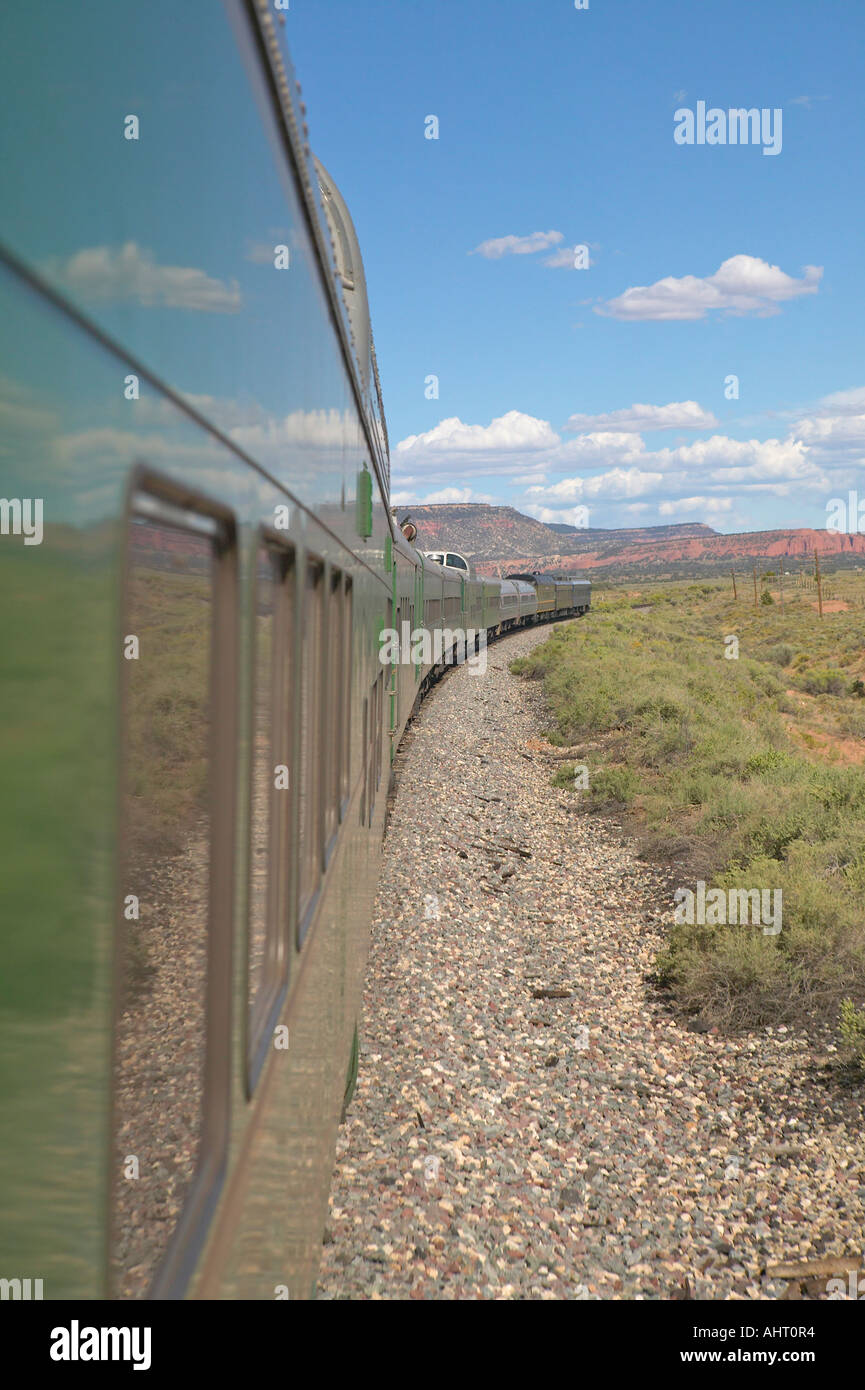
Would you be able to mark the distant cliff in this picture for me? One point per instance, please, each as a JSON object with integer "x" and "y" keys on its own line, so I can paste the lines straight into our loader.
{"x": 498, "y": 539}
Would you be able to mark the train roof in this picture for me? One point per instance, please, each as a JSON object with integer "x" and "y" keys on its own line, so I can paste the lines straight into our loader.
{"x": 349, "y": 283}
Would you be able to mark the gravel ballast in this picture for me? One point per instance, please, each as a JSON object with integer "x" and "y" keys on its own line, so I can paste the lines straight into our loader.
{"x": 530, "y": 1120}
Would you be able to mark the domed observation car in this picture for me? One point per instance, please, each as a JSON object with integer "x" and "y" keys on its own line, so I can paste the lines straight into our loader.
{"x": 450, "y": 560}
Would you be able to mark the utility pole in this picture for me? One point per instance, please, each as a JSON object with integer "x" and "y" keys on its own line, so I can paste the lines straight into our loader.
{"x": 735, "y": 595}
{"x": 782, "y": 585}
{"x": 755, "y": 586}
{"x": 819, "y": 583}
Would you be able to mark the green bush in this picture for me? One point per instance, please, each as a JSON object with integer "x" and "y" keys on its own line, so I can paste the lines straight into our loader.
{"x": 853, "y": 1031}
{"x": 779, "y": 655}
{"x": 822, "y": 681}
{"x": 613, "y": 784}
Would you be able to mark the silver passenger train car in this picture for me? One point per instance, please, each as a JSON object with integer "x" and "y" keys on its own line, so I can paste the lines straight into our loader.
{"x": 198, "y": 726}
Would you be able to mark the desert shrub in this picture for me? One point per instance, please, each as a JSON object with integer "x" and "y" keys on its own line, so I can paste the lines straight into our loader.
{"x": 853, "y": 1031}
{"x": 769, "y": 760}
{"x": 822, "y": 680}
{"x": 613, "y": 784}
{"x": 779, "y": 655}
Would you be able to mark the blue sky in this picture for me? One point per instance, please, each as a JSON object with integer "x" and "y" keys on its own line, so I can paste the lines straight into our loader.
{"x": 604, "y": 388}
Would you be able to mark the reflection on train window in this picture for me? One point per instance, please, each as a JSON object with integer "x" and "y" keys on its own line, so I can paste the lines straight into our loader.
{"x": 161, "y": 1036}
{"x": 310, "y": 789}
{"x": 271, "y": 791}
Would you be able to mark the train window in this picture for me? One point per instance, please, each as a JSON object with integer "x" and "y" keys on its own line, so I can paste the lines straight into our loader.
{"x": 334, "y": 705}
{"x": 372, "y": 776}
{"x": 364, "y": 791}
{"x": 345, "y": 736}
{"x": 310, "y": 845}
{"x": 411, "y": 619}
{"x": 270, "y": 794}
{"x": 374, "y": 731}
{"x": 379, "y": 724}
{"x": 171, "y": 1045}
{"x": 370, "y": 780}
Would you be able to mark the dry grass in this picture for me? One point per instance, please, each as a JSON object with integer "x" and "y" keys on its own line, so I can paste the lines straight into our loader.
{"x": 736, "y": 771}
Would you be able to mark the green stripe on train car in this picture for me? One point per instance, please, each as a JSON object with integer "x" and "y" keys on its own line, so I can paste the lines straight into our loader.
{"x": 363, "y": 514}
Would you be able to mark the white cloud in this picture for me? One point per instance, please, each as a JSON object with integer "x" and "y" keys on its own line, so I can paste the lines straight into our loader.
{"x": 816, "y": 454}
{"x": 622, "y": 482}
{"x": 256, "y": 430}
{"x": 319, "y": 429}
{"x": 564, "y": 259}
{"x": 850, "y": 402}
{"x": 570, "y": 516}
{"x": 21, "y": 412}
{"x": 130, "y": 274}
{"x": 769, "y": 466}
{"x": 444, "y": 494}
{"x": 599, "y": 447}
{"x": 723, "y": 458}
{"x": 637, "y": 418}
{"x": 529, "y": 245}
{"x": 528, "y": 450}
{"x": 618, "y": 483}
{"x": 834, "y": 432}
{"x": 124, "y": 446}
{"x": 741, "y": 285}
{"x": 510, "y": 433}
{"x": 709, "y": 506}
{"x": 264, "y": 252}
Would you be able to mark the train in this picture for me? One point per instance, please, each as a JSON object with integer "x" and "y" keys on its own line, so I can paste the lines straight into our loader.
{"x": 199, "y": 725}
